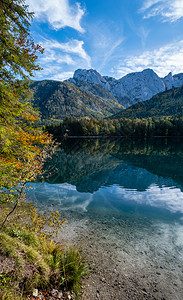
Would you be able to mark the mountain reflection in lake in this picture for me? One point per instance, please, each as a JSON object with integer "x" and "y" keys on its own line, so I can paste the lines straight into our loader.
{"x": 116, "y": 176}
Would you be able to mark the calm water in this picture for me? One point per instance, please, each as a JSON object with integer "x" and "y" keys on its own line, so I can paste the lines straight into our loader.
{"x": 116, "y": 178}
{"x": 137, "y": 186}
{"x": 125, "y": 198}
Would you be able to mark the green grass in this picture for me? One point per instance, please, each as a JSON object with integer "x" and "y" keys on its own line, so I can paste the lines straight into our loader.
{"x": 72, "y": 267}
{"x": 38, "y": 263}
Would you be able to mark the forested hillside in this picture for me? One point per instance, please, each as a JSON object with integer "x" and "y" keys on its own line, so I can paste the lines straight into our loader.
{"x": 168, "y": 103}
{"x": 57, "y": 100}
{"x": 159, "y": 116}
{"x": 95, "y": 89}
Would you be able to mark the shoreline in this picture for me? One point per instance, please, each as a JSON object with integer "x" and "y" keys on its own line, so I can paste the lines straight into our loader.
{"x": 118, "y": 271}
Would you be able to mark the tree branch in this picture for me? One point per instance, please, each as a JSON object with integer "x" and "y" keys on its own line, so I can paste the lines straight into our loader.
{"x": 14, "y": 207}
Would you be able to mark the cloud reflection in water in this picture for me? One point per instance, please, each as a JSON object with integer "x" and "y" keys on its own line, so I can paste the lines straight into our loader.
{"x": 65, "y": 196}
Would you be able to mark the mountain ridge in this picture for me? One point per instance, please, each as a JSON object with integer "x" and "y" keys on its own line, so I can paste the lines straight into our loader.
{"x": 89, "y": 94}
{"x": 167, "y": 103}
{"x": 131, "y": 88}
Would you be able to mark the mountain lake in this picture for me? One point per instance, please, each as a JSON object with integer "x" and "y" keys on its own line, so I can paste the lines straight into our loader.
{"x": 122, "y": 200}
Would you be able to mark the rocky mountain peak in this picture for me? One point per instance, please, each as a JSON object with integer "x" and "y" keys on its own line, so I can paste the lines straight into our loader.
{"x": 132, "y": 88}
{"x": 90, "y": 76}
{"x": 168, "y": 80}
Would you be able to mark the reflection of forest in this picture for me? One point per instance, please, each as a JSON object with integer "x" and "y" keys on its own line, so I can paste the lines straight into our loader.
{"x": 92, "y": 163}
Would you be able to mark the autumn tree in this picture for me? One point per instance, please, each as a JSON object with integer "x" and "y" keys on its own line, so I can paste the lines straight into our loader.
{"x": 23, "y": 146}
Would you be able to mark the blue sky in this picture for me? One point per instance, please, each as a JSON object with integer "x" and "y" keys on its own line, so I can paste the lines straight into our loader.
{"x": 115, "y": 37}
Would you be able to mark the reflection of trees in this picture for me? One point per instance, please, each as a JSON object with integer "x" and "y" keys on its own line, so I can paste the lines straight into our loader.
{"x": 71, "y": 168}
{"x": 96, "y": 162}
{"x": 159, "y": 146}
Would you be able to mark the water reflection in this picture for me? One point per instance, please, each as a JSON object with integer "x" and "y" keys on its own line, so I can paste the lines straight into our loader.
{"x": 130, "y": 193}
{"x": 96, "y": 163}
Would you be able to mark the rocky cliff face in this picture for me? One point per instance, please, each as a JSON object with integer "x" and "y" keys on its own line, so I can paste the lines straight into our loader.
{"x": 136, "y": 87}
{"x": 132, "y": 88}
{"x": 91, "y": 76}
{"x": 177, "y": 80}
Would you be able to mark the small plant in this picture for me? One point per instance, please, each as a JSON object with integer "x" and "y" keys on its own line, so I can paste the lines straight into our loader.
{"x": 5, "y": 280}
{"x": 72, "y": 267}
{"x": 48, "y": 225}
{"x": 6, "y": 285}
{"x": 15, "y": 233}
{"x": 55, "y": 255}
{"x": 28, "y": 242}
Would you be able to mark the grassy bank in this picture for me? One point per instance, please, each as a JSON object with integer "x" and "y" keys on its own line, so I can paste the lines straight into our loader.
{"x": 30, "y": 259}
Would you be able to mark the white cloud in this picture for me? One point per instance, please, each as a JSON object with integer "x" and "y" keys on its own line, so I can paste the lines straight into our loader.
{"x": 63, "y": 196}
{"x": 162, "y": 61}
{"x": 66, "y": 196}
{"x": 50, "y": 57}
{"x": 62, "y": 76}
{"x": 61, "y": 59}
{"x": 73, "y": 46}
{"x": 58, "y": 13}
{"x": 143, "y": 33}
{"x": 139, "y": 30}
{"x": 169, "y": 10}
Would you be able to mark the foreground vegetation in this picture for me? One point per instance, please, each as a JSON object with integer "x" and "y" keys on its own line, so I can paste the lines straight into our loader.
{"x": 30, "y": 259}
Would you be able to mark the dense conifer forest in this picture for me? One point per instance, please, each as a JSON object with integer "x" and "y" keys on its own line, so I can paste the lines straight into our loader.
{"x": 164, "y": 126}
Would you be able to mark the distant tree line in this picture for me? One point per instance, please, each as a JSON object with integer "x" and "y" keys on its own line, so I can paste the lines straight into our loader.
{"x": 149, "y": 127}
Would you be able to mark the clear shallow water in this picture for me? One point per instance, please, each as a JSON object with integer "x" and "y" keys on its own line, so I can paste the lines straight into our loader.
{"x": 123, "y": 201}
{"x": 123, "y": 193}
